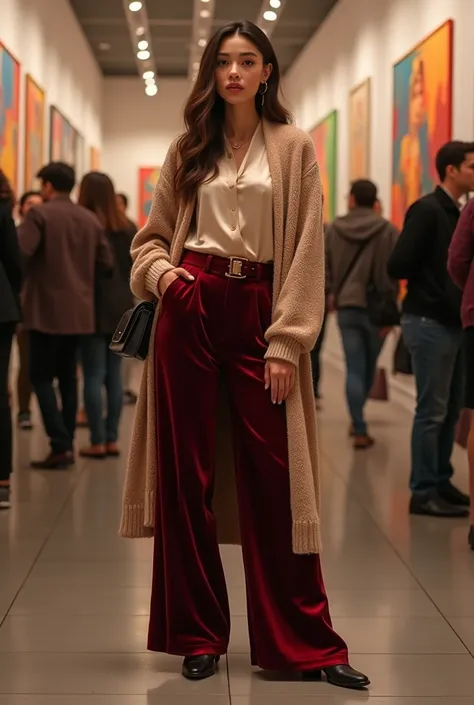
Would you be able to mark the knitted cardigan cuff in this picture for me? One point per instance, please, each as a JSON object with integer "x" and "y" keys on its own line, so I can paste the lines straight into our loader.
{"x": 282, "y": 347}
{"x": 154, "y": 274}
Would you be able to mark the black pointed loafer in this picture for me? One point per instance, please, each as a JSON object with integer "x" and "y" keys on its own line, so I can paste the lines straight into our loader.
{"x": 196, "y": 668}
{"x": 343, "y": 676}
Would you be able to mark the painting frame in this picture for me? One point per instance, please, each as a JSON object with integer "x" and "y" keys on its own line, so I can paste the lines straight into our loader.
{"x": 424, "y": 74}
{"x": 62, "y": 137}
{"x": 327, "y": 160}
{"x": 11, "y": 169}
{"x": 33, "y": 90}
{"x": 148, "y": 177}
{"x": 360, "y": 97}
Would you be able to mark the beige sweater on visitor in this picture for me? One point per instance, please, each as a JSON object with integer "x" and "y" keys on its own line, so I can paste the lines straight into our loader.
{"x": 298, "y": 305}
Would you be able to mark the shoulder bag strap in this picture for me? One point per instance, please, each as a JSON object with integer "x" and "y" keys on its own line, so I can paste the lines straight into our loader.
{"x": 351, "y": 266}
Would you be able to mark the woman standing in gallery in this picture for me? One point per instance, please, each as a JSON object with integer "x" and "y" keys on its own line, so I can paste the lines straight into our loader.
{"x": 233, "y": 251}
{"x": 10, "y": 285}
{"x": 102, "y": 369}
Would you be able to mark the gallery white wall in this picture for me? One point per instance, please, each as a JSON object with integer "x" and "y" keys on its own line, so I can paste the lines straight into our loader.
{"x": 138, "y": 129}
{"x": 365, "y": 38}
{"x": 45, "y": 37}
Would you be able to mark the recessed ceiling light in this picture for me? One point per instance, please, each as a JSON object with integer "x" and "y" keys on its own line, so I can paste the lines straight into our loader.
{"x": 143, "y": 45}
{"x": 143, "y": 55}
{"x": 150, "y": 82}
{"x": 205, "y": 14}
{"x": 270, "y": 16}
{"x": 196, "y": 66}
{"x": 202, "y": 42}
{"x": 140, "y": 31}
{"x": 135, "y": 6}
{"x": 204, "y": 0}
{"x": 104, "y": 46}
{"x": 275, "y": 3}
{"x": 151, "y": 90}
{"x": 148, "y": 74}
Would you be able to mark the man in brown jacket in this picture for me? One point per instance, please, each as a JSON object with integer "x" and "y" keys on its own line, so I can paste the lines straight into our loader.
{"x": 65, "y": 249}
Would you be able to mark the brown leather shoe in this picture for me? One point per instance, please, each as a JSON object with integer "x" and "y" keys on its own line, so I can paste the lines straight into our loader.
{"x": 363, "y": 442}
{"x": 54, "y": 461}
{"x": 112, "y": 450}
{"x": 96, "y": 452}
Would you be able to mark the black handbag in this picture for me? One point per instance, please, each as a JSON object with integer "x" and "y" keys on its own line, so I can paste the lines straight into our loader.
{"x": 132, "y": 336}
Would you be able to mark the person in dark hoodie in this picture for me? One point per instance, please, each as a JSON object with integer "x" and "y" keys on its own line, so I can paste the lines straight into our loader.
{"x": 358, "y": 246}
{"x": 431, "y": 325}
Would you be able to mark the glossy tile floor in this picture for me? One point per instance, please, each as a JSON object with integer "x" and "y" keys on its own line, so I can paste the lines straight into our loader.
{"x": 74, "y": 597}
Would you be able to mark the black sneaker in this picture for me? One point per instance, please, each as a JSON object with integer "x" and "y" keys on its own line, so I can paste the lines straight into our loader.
{"x": 24, "y": 422}
{"x": 451, "y": 494}
{"x": 5, "y": 498}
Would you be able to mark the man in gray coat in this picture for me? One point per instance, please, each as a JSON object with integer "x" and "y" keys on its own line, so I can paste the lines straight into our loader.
{"x": 358, "y": 246}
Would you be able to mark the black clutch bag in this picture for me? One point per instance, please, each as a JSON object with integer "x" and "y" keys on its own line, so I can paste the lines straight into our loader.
{"x": 132, "y": 337}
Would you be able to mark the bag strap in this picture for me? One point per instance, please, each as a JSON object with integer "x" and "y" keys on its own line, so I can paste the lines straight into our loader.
{"x": 351, "y": 266}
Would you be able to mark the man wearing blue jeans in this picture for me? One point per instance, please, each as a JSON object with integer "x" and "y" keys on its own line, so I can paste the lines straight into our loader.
{"x": 431, "y": 326}
{"x": 358, "y": 246}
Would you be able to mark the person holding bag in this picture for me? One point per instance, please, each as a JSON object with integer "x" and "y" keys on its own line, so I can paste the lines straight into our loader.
{"x": 233, "y": 249}
{"x": 359, "y": 245}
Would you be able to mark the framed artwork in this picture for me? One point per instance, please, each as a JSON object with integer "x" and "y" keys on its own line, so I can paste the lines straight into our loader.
{"x": 80, "y": 159}
{"x": 94, "y": 159}
{"x": 34, "y": 132}
{"x": 422, "y": 117}
{"x": 324, "y": 137}
{"x": 147, "y": 180}
{"x": 359, "y": 131}
{"x": 9, "y": 115}
{"x": 62, "y": 144}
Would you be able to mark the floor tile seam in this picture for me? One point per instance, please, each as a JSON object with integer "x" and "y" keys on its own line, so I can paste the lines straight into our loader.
{"x": 386, "y": 537}
{"x": 50, "y": 532}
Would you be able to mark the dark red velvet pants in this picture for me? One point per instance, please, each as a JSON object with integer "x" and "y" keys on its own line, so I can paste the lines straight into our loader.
{"x": 211, "y": 326}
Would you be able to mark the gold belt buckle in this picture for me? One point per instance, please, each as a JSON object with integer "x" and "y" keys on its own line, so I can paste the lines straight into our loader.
{"x": 235, "y": 268}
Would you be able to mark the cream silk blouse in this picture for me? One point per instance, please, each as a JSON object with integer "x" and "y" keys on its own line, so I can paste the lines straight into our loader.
{"x": 234, "y": 212}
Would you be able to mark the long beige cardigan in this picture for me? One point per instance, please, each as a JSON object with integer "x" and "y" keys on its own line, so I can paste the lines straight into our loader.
{"x": 298, "y": 293}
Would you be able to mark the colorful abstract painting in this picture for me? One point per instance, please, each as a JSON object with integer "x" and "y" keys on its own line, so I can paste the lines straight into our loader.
{"x": 9, "y": 115}
{"x": 94, "y": 159}
{"x": 359, "y": 131}
{"x": 34, "y": 132}
{"x": 422, "y": 117}
{"x": 324, "y": 137}
{"x": 147, "y": 180}
{"x": 62, "y": 145}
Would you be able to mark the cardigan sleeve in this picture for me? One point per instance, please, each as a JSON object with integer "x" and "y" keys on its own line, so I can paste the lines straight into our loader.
{"x": 461, "y": 249}
{"x": 299, "y": 310}
{"x": 150, "y": 248}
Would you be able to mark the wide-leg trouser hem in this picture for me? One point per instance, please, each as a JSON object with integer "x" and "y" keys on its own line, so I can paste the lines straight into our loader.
{"x": 302, "y": 667}
{"x": 211, "y": 650}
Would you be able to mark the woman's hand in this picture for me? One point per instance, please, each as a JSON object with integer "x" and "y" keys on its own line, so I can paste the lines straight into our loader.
{"x": 279, "y": 378}
{"x": 169, "y": 277}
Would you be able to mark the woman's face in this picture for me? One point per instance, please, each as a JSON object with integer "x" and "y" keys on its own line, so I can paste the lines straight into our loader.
{"x": 240, "y": 70}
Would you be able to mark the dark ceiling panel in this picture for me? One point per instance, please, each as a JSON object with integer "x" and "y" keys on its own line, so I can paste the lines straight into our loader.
{"x": 104, "y": 23}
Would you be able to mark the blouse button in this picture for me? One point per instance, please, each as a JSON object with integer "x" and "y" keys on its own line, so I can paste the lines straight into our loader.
{"x": 231, "y": 186}
{"x": 234, "y": 227}
{"x": 233, "y": 210}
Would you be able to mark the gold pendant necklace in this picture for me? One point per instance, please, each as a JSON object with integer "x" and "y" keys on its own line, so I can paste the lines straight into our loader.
{"x": 236, "y": 147}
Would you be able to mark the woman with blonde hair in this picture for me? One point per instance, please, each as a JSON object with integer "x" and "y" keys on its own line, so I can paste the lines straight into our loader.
{"x": 233, "y": 252}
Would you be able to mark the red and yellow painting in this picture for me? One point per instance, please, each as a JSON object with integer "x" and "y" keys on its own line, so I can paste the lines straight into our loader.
{"x": 422, "y": 117}
{"x": 34, "y": 132}
{"x": 9, "y": 115}
{"x": 324, "y": 137}
{"x": 147, "y": 180}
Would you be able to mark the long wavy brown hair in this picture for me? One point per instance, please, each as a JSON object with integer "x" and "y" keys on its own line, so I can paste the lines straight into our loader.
{"x": 97, "y": 194}
{"x": 203, "y": 144}
{"x": 6, "y": 191}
